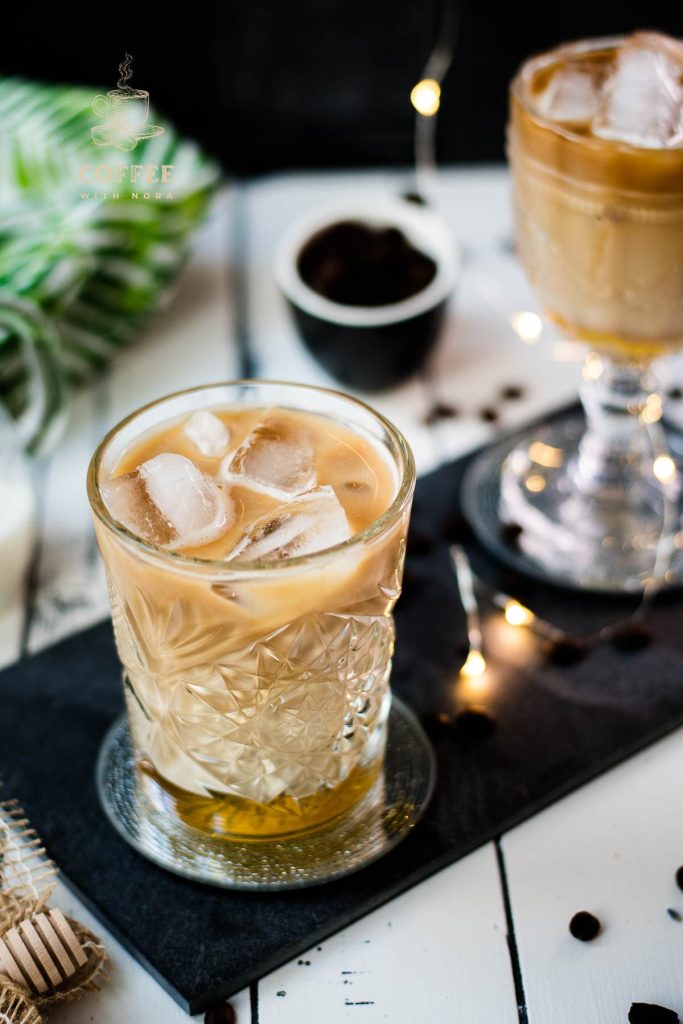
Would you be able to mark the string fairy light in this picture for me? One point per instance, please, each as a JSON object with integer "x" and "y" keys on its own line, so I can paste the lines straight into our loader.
{"x": 475, "y": 663}
{"x": 517, "y": 614}
{"x": 425, "y": 97}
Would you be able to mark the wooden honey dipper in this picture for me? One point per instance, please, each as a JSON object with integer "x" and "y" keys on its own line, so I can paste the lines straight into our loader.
{"x": 41, "y": 952}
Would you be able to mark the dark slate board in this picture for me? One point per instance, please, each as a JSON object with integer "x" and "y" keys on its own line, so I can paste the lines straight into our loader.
{"x": 556, "y": 728}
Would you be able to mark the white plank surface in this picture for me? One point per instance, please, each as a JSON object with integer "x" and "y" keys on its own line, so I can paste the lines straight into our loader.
{"x": 611, "y": 848}
{"x": 438, "y": 953}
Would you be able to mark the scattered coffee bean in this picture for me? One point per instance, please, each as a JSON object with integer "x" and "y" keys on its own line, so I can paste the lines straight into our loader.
{"x": 414, "y": 197}
{"x": 441, "y": 411}
{"x": 512, "y": 392}
{"x": 679, "y": 877}
{"x": 473, "y": 724}
{"x": 222, "y": 1013}
{"x": 584, "y": 926}
{"x": 488, "y": 414}
{"x": 631, "y": 637}
{"x": 281, "y": 992}
{"x": 510, "y": 534}
{"x": 674, "y": 914}
{"x": 675, "y": 394}
{"x": 564, "y": 651}
{"x": 651, "y": 1013}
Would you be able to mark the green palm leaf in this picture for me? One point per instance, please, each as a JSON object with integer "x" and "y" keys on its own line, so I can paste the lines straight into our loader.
{"x": 80, "y": 272}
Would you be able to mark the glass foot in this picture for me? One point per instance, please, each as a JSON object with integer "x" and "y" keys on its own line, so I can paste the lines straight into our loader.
{"x": 384, "y": 817}
{"x": 563, "y": 535}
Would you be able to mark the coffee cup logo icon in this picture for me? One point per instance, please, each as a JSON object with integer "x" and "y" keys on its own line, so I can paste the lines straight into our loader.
{"x": 124, "y": 112}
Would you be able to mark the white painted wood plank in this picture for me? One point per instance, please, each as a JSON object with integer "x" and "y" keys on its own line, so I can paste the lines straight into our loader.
{"x": 70, "y": 590}
{"x": 131, "y": 996}
{"x": 437, "y": 953}
{"x": 272, "y": 205}
{"x": 190, "y": 342}
{"x": 479, "y": 352}
{"x": 611, "y": 848}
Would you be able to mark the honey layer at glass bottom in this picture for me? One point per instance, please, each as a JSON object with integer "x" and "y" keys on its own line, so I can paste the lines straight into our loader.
{"x": 617, "y": 346}
{"x": 234, "y": 817}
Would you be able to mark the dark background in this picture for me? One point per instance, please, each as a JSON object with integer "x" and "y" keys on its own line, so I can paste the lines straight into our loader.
{"x": 274, "y": 84}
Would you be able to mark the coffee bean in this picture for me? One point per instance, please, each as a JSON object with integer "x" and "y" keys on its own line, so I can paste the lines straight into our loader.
{"x": 488, "y": 414}
{"x": 510, "y": 533}
{"x": 679, "y": 877}
{"x": 675, "y": 394}
{"x": 414, "y": 197}
{"x": 512, "y": 392}
{"x": 651, "y": 1013}
{"x": 584, "y": 926}
{"x": 474, "y": 724}
{"x": 221, "y": 1013}
{"x": 441, "y": 411}
{"x": 564, "y": 651}
{"x": 355, "y": 263}
{"x": 631, "y": 637}
{"x": 674, "y": 914}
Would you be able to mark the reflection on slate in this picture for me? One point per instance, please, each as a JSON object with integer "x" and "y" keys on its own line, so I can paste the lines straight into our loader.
{"x": 550, "y": 729}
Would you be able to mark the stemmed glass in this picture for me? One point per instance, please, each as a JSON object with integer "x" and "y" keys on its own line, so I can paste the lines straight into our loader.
{"x": 600, "y": 233}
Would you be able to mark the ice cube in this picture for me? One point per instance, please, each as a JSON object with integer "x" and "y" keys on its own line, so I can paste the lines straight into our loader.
{"x": 643, "y": 98}
{"x": 571, "y": 97}
{"x": 169, "y": 502}
{"x": 208, "y": 434}
{"x": 277, "y": 457}
{"x": 308, "y": 523}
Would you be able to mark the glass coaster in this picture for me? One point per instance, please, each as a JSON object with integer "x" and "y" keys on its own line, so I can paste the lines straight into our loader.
{"x": 379, "y": 821}
{"x": 571, "y": 554}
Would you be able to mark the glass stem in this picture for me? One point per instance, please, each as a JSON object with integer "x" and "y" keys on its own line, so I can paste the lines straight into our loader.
{"x": 623, "y": 429}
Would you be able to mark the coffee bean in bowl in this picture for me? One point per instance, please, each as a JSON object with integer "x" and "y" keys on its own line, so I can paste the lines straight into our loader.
{"x": 358, "y": 264}
{"x": 368, "y": 282}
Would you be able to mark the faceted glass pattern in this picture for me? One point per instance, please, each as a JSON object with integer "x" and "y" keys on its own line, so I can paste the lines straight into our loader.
{"x": 258, "y": 697}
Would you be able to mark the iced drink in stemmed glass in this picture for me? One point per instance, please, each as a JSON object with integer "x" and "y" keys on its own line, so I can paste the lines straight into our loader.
{"x": 595, "y": 143}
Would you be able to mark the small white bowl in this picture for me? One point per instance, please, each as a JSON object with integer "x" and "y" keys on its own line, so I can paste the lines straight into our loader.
{"x": 370, "y": 347}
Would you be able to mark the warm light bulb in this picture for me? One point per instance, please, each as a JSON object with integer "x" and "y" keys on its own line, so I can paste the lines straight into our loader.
{"x": 535, "y": 483}
{"x": 426, "y": 97}
{"x": 546, "y": 455}
{"x": 475, "y": 665}
{"x": 652, "y": 410}
{"x": 527, "y": 325}
{"x": 592, "y": 368}
{"x": 664, "y": 468}
{"x": 517, "y": 615}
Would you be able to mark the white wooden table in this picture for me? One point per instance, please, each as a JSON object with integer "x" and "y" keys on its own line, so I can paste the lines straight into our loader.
{"x": 484, "y": 941}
